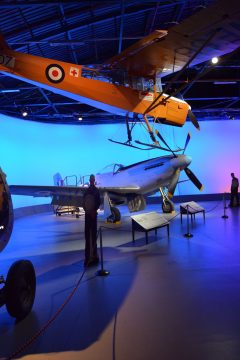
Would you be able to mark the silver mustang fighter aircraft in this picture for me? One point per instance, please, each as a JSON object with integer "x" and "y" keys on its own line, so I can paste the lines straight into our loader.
{"x": 123, "y": 185}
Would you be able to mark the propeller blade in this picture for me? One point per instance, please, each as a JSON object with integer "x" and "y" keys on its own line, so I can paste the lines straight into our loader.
{"x": 193, "y": 178}
{"x": 186, "y": 142}
{"x": 173, "y": 184}
{"x": 193, "y": 119}
{"x": 162, "y": 139}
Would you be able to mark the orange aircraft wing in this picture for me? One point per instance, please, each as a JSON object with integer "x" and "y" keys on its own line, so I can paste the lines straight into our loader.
{"x": 168, "y": 51}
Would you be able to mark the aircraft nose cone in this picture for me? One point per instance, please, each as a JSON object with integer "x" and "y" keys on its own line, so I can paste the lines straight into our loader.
{"x": 187, "y": 160}
{"x": 181, "y": 161}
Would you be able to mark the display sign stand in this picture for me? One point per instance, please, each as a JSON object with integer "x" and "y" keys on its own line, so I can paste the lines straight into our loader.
{"x": 188, "y": 234}
{"x": 102, "y": 271}
{"x": 191, "y": 208}
{"x": 224, "y": 207}
{"x": 148, "y": 222}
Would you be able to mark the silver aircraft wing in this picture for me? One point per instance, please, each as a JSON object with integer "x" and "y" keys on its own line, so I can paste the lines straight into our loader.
{"x": 45, "y": 191}
{"x": 66, "y": 191}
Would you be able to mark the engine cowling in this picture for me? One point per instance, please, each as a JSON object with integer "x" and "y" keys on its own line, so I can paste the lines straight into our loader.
{"x": 6, "y": 212}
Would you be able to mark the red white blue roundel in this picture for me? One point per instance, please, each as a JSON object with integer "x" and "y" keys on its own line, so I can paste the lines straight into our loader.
{"x": 55, "y": 73}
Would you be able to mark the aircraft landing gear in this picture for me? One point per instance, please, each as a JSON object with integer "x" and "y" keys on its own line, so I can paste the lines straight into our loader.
{"x": 167, "y": 204}
{"x": 20, "y": 288}
{"x": 115, "y": 215}
{"x": 18, "y": 294}
{"x": 18, "y": 291}
{"x": 112, "y": 214}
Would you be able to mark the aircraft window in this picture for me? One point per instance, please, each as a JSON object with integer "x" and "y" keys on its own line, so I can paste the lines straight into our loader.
{"x": 114, "y": 168}
{"x": 118, "y": 76}
{"x": 153, "y": 166}
{"x": 107, "y": 168}
{"x": 117, "y": 168}
{"x": 142, "y": 84}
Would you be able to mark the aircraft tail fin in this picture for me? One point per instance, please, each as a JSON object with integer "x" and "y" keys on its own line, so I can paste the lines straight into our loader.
{"x": 3, "y": 44}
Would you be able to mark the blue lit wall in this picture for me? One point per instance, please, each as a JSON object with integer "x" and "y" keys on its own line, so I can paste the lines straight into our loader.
{"x": 31, "y": 153}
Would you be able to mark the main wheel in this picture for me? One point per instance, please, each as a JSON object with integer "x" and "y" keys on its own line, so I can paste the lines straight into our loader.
{"x": 167, "y": 206}
{"x": 20, "y": 289}
{"x": 115, "y": 215}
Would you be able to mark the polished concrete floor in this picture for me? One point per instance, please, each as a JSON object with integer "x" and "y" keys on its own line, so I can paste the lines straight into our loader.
{"x": 176, "y": 298}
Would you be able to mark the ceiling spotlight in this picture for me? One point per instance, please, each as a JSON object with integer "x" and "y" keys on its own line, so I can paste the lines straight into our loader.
{"x": 80, "y": 117}
{"x": 214, "y": 60}
{"x": 24, "y": 112}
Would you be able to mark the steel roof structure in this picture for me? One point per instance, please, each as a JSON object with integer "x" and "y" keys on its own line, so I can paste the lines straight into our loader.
{"x": 90, "y": 32}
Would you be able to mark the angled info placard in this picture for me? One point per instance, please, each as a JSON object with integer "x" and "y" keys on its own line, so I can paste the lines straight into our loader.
{"x": 150, "y": 220}
{"x": 192, "y": 207}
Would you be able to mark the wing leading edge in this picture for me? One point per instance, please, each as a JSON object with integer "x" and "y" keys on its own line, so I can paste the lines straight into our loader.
{"x": 66, "y": 191}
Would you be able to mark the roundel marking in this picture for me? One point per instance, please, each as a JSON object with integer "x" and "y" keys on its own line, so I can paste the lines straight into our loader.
{"x": 55, "y": 73}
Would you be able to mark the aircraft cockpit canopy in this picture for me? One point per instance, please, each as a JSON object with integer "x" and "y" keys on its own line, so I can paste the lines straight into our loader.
{"x": 113, "y": 168}
{"x": 117, "y": 168}
{"x": 121, "y": 77}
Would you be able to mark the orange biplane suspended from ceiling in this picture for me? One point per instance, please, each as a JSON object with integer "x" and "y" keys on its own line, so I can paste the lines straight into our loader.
{"x": 129, "y": 83}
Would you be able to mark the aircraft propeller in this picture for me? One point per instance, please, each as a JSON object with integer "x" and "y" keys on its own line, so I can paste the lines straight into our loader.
{"x": 186, "y": 142}
{"x": 191, "y": 115}
{"x": 188, "y": 172}
{"x": 193, "y": 179}
{"x": 193, "y": 119}
{"x": 165, "y": 143}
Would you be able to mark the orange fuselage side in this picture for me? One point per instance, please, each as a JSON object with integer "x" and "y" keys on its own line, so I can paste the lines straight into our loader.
{"x": 33, "y": 68}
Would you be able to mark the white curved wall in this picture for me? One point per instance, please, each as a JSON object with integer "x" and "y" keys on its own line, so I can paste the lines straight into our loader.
{"x": 31, "y": 153}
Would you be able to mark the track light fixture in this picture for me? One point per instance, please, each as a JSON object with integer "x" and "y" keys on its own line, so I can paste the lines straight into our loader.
{"x": 214, "y": 60}
{"x": 24, "y": 112}
{"x": 78, "y": 116}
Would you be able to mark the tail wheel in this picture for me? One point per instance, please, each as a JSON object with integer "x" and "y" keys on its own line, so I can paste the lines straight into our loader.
{"x": 20, "y": 288}
{"x": 167, "y": 206}
{"x": 115, "y": 215}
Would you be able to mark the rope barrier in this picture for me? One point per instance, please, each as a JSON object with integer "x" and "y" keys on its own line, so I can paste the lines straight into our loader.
{"x": 33, "y": 338}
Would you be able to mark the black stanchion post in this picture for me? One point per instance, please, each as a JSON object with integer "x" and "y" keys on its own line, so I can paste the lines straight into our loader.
{"x": 102, "y": 272}
{"x": 188, "y": 234}
{"x": 224, "y": 207}
{"x": 224, "y": 201}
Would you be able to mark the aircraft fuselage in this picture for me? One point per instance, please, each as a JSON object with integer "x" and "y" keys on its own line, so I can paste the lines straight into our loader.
{"x": 67, "y": 79}
{"x": 145, "y": 177}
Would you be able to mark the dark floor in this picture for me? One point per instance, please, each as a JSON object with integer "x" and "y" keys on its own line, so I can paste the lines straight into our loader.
{"x": 171, "y": 299}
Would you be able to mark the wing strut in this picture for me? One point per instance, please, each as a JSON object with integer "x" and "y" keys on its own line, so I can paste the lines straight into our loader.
{"x": 129, "y": 135}
{"x": 152, "y": 136}
{"x": 129, "y": 131}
